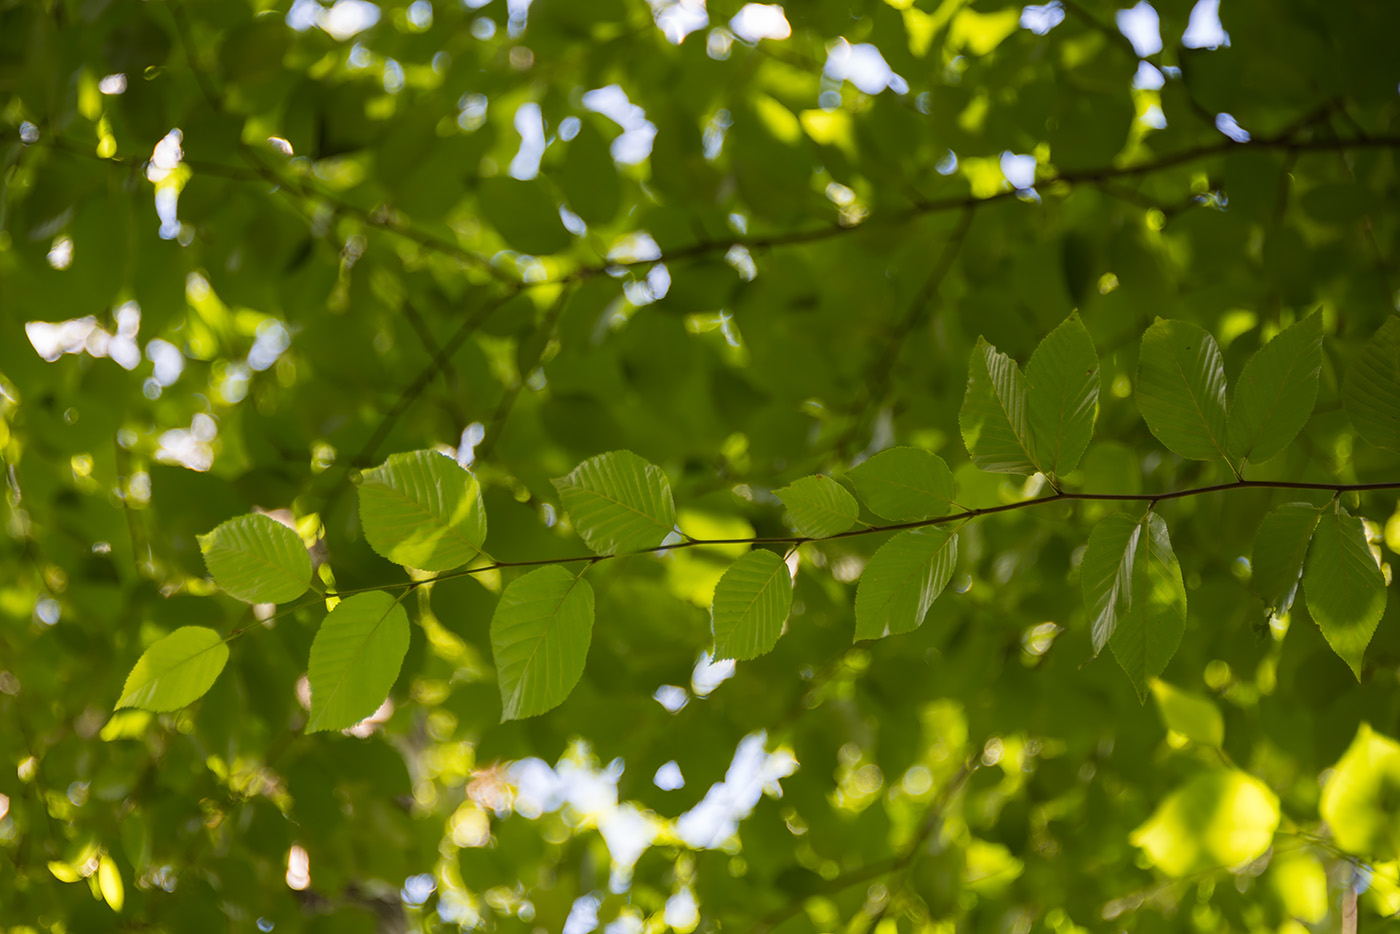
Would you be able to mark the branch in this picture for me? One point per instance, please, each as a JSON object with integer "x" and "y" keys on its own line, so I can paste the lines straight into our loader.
{"x": 964, "y": 515}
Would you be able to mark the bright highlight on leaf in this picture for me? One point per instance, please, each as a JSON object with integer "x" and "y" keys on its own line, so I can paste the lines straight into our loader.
{"x": 1275, "y": 394}
{"x": 257, "y": 559}
{"x": 539, "y": 635}
{"x": 176, "y": 670}
{"x": 1216, "y": 820}
{"x": 1358, "y": 801}
{"x": 818, "y": 506}
{"x": 1181, "y": 389}
{"x": 420, "y": 509}
{"x": 355, "y": 659}
{"x": 1189, "y": 714}
{"x": 1343, "y": 585}
{"x": 618, "y": 503}
{"x": 902, "y": 580}
{"x": 905, "y": 484}
{"x": 751, "y": 603}
{"x": 1371, "y": 388}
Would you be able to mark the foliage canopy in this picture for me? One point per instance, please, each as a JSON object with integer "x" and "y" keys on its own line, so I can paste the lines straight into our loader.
{"x": 863, "y": 465}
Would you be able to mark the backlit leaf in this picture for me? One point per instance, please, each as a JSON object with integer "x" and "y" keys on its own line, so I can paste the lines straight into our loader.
{"x": 1343, "y": 585}
{"x": 1192, "y": 715}
{"x": 1358, "y": 801}
{"x": 176, "y": 670}
{"x": 905, "y": 484}
{"x": 421, "y": 510}
{"x": 1275, "y": 394}
{"x": 1280, "y": 546}
{"x": 819, "y": 506}
{"x": 355, "y": 659}
{"x": 257, "y": 559}
{"x": 1062, "y": 380}
{"x": 1216, "y": 820}
{"x": 995, "y": 420}
{"x": 1371, "y": 388}
{"x": 751, "y": 603}
{"x": 1181, "y": 389}
{"x": 902, "y": 580}
{"x": 618, "y": 503}
{"x": 539, "y": 635}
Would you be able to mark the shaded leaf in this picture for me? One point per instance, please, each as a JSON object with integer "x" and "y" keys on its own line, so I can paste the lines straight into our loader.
{"x": 1280, "y": 546}
{"x": 819, "y": 506}
{"x": 1181, "y": 389}
{"x": 420, "y": 509}
{"x": 618, "y": 503}
{"x": 1343, "y": 585}
{"x": 902, "y": 580}
{"x": 751, "y": 603}
{"x": 1371, "y": 388}
{"x": 905, "y": 484}
{"x": 1275, "y": 394}
{"x": 176, "y": 670}
{"x": 994, "y": 419}
{"x": 524, "y": 215}
{"x": 1106, "y": 575}
{"x": 1148, "y": 634}
{"x": 355, "y": 659}
{"x": 539, "y": 636}
{"x": 589, "y": 178}
{"x": 1062, "y": 381}
{"x": 257, "y": 559}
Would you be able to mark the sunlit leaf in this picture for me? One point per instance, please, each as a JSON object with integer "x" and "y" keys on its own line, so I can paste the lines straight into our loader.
{"x": 1062, "y": 380}
{"x": 1275, "y": 394}
{"x": 421, "y": 510}
{"x": 751, "y": 603}
{"x": 1371, "y": 387}
{"x": 902, "y": 580}
{"x": 355, "y": 659}
{"x": 176, "y": 670}
{"x": 1343, "y": 585}
{"x": 819, "y": 506}
{"x": 618, "y": 503}
{"x": 1218, "y": 819}
{"x": 539, "y": 636}
{"x": 257, "y": 559}
{"x": 1280, "y": 546}
{"x": 905, "y": 484}
{"x": 1358, "y": 801}
{"x": 995, "y": 420}
{"x": 1181, "y": 389}
{"x": 1192, "y": 715}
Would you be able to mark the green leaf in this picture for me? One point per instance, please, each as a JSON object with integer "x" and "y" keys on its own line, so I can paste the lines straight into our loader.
{"x": 524, "y": 215}
{"x": 1358, "y": 801}
{"x": 1275, "y": 394}
{"x": 902, "y": 580}
{"x": 1343, "y": 585}
{"x": 1217, "y": 820}
{"x": 1181, "y": 389}
{"x": 1148, "y": 634}
{"x": 175, "y": 671}
{"x": 1106, "y": 575}
{"x": 1371, "y": 388}
{"x": 421, "y": 510}
{"x": 1185, "y": 712}
{"x": 257, "y": 559}
{"x": 539, "y": 636}
{"x": 618, "y": 503}
{"x": 1062, "y": 381}
{"x": 1280, "y": 546}
{"x": 994, "y": 419}
{"x": 819, "y": 506}
{"x": 355, "y": 659}
{"x": 905, "y": 484}
{"x": 751, "y": 603}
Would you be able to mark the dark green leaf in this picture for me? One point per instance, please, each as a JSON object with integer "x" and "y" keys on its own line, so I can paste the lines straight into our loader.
{"x": 539, "y": 636}
{"x": 1062, "y": 380}
{"x": 1275, "y": 394}
{"x": 1280, "y": 546}
{"x": 751, "y": 603}
{"x": 995, "y": 419}
{"x": 1181, "y": 389}
{"x": 1371, "y": 388}
{"x": 1343, "y": 585}
{"x": 902, "y": 580}
{"x": 819, "y": 506}
{"x": 905, "y": 484}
